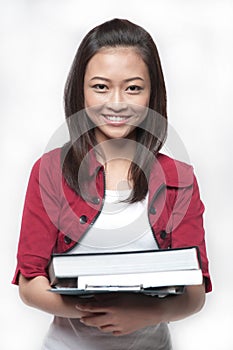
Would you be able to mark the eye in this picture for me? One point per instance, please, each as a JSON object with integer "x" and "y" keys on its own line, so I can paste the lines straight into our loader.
{"x": 134, "y": 88}
{"x": 100, "y": 87}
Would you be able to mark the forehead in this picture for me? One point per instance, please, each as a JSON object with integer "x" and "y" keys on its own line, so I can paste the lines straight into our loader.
{"x": 111, "y": 60}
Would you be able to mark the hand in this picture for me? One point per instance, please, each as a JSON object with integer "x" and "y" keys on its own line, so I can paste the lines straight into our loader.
{"x": 70, "y": 302}
{"x": 120, "y": 313}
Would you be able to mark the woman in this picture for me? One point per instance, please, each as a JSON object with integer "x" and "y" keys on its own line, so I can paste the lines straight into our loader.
{"x": 91, "y": 195}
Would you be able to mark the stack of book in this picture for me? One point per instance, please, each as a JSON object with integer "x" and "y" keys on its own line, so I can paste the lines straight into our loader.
{"x": 154, "y": 272}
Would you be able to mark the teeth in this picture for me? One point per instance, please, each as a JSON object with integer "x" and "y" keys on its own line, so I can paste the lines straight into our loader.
{"x": 115, "y": 118}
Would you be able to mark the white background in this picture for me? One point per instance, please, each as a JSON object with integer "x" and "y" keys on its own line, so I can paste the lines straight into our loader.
{"x": 37, "y": 44}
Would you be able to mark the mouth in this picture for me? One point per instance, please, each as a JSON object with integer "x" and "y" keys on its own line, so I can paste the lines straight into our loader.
{"x": 116, "y": 118}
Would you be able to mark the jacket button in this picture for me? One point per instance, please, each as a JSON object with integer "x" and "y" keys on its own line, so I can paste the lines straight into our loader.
{"x": 67, "y": 240}
{"x": 152, "y": 210}
{"x": 163, "y": 234}
{"x": 95, "y": 200}
{"x": 83, "y": 219}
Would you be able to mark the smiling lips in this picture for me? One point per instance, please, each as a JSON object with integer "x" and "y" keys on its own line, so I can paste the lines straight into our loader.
{"x": 116, "y": 119}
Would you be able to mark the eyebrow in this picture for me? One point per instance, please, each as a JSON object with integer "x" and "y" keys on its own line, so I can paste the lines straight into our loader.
{"x": 126, "y": 80}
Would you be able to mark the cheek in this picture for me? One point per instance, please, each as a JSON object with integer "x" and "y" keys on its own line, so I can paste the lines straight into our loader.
{"x": 140, "y": 109}
{"x": 143, "y": 100}
{"x": 92, "y": 99}
{"x": 93, "y": 111}
{"x": 88, "y": 100}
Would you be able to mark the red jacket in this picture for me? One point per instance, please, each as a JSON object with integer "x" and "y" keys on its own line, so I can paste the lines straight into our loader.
{"x": 55, "y": 217}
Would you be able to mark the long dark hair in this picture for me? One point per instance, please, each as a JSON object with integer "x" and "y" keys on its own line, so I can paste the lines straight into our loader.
{"x": 150, "y": 134}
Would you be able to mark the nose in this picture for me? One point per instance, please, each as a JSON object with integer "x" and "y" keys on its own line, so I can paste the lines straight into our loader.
{"x": 116, "y": 101}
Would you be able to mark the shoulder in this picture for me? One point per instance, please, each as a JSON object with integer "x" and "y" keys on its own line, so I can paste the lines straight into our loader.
{"x": 52, "y": 157}
{"x": 47, "y": 167}
{"x": 175, "y": 172}
{"x": 49, "y": 159}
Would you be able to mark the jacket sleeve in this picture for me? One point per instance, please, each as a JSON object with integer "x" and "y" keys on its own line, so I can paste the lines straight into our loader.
{"x": 187, "y": 222}
{"x": 39, "y": 224}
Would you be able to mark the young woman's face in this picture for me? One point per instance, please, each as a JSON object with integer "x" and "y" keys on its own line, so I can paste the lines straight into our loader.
{"x": 116, "y": 92}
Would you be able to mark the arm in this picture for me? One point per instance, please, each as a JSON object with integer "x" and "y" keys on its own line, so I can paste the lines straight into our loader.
{"x": 123, "y": 314}
{"x": 187, "y": 226}
{"x": 182, "y": 306}
{"x": 34, "y": 292}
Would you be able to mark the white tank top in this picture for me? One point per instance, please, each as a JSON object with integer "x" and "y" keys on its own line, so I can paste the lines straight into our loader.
{"x": 119, "y": 227}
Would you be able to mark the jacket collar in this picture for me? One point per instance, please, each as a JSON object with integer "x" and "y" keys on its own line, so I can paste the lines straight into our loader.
{"x": 165, "y": 171}
{"x": 171, "y": 172}
{"x": 94, "y": 165}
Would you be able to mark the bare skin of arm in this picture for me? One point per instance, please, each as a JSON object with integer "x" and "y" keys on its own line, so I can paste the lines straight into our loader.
{"x": 34, "y": 292}
{"x": 116, "y": 313}
{"x": 125, "y": 313}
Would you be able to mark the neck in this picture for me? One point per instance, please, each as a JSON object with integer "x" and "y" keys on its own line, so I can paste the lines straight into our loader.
{"x": 116, "y": 149}
{"x": 116, "y": 155}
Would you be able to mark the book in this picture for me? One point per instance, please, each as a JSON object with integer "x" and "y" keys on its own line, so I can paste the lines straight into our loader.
{"x": 159, "y": 291}
{"x": 141, "y": 280}
{"x": 151, "y": 271}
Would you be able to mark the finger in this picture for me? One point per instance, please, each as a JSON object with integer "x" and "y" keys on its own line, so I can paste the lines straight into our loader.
{"x": 109, "y": 329}
{"x": 96, "y": 308}
{"x": 99, "y": 321}
{"x": 118, "y": 333}
{"x": 84, "y": 314}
